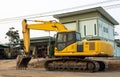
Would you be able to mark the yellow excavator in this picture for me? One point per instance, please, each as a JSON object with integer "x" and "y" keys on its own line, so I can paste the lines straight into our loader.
{"x": 70, "y": 51}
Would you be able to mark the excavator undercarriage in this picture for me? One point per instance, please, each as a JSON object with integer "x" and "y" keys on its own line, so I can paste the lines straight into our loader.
{"x": 75, "y": 64}
{"x": 66, "y": 64}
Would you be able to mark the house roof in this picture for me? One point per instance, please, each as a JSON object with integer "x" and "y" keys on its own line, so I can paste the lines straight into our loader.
{"x": 99, "y": 9}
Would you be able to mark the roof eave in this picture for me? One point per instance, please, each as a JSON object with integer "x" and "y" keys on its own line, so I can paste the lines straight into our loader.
{"x": 99, "y": 9}
{"x": 108, "y": 16}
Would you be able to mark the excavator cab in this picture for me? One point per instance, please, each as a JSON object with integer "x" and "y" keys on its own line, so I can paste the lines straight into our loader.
{"x": 65, "y": 39}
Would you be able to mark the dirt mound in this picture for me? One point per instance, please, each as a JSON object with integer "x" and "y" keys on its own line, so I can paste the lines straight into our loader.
{"x": 37, "y": 63}
{"x": 113, "y": 65}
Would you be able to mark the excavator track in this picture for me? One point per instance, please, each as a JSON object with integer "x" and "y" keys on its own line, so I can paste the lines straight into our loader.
{"x": 75, "y": 65}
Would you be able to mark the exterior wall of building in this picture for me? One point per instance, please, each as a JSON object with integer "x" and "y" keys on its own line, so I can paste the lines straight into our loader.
{"x": 88, "y": 27}
{"x": 91, "y": 24}
{"x": 71, "y": 25}
{"x": 86, "y": 23}
{"x": 76, "y": 18}
{"x": 106, "y": 29}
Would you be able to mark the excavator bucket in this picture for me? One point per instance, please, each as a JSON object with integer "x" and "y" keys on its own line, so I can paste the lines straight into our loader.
{"x": 22, "y": 62}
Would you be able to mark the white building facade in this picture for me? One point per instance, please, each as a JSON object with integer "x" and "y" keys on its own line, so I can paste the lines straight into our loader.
{"x": 94, "y": 22}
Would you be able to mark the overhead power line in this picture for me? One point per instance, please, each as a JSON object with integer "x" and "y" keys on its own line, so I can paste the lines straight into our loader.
{"x": 51, "y": 13}
{"x": 112, "y": 6}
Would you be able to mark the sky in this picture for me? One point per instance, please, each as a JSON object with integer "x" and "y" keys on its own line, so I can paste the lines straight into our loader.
{"x": 9, "y": 9}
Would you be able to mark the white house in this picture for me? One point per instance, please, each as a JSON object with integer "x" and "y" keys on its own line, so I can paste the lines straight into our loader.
{"x": 95, "y": 22}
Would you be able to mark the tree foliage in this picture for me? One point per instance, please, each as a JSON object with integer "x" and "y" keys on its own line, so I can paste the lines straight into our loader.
{"x": 14, "y": 38}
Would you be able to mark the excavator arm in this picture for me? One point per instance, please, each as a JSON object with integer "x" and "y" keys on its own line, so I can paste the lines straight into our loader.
{"x": 38, "y": 25}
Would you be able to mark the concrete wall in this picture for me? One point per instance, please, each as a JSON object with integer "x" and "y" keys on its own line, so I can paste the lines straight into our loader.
{"x": 88, "y": 27}
{"x": 106, "y": 29}
{"x": 90, "y": 24}
{"x": 71, "y": 25}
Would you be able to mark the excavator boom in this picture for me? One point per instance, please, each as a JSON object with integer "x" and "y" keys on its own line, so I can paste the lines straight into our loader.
{"x": 41, "y": 25}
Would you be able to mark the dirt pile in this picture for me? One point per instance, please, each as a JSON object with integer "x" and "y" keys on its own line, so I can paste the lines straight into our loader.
{"x": 37, "y": 63}
{"x": 113, "y": 65}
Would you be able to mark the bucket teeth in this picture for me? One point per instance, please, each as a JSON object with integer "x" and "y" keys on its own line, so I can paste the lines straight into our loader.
{"x": 22, "y": 62}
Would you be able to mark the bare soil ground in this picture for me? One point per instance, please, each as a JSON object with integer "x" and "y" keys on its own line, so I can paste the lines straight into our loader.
{"x": 36, "y": 69}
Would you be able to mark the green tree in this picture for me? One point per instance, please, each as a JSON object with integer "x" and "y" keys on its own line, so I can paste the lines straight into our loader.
{"x": 14, "y": 42}
{"x": 14, "y": 38}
